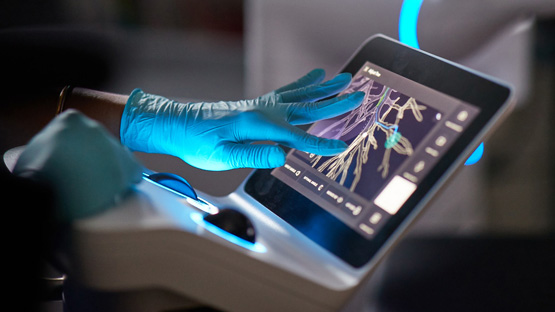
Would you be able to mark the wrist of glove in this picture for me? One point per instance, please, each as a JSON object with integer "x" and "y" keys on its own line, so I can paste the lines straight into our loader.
{"x": 220, "y": 135}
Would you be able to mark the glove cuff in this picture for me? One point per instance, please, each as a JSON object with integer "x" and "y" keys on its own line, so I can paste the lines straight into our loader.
{"x": 137, "y": 123}
{"x": 148, "y": 121}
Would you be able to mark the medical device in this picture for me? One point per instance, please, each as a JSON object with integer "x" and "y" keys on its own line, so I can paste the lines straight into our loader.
{"x": 306, "y": 236}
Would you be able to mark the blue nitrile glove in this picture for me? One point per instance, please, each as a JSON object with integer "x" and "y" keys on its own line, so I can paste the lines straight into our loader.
{"x": 86, "y": 167}
{"x": 218, "y": 136}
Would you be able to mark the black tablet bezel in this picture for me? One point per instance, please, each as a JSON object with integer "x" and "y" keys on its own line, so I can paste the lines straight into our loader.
{"x": 325, "y": 229}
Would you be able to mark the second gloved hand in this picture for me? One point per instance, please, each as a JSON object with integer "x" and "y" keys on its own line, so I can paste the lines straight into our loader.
{"x": 219, "y": 135}
{"x": 86, "y": 167}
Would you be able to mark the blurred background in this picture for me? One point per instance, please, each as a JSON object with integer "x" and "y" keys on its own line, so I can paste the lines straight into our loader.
{"x": 234, "y": 49}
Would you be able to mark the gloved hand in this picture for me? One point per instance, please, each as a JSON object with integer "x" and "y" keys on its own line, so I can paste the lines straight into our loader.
{"x": 218, "y": 136}
{"x": 86, "y": 167}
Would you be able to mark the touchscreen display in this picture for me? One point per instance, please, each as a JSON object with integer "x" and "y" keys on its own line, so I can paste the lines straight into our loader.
{"x": 395, "y": 137}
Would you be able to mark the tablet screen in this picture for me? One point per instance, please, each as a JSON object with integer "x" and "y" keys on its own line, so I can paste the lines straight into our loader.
{"x": 420, "y": 116}
{"x": 395, "y": 137}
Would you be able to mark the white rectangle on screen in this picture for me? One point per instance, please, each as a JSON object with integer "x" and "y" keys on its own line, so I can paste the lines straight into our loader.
{"x": 395, "y": 194}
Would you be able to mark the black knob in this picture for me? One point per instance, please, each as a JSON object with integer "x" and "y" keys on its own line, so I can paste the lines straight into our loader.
{"x": 233, "y": 222}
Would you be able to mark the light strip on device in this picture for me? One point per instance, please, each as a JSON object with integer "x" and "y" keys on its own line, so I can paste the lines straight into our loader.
{"x": 408, "y": 24}
{"x": 476, "y": 155}
{"x": 408, "y": 21}
{"x": 199, "y": 203}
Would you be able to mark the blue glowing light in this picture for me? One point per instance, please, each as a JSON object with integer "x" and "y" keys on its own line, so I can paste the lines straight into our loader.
{"x": 198, "y": 203}
{"x": 476, "y": 156}
{"x": 408, "y": 21}
{"x": 146, "y": 178}
{"x": 256, "y": 247}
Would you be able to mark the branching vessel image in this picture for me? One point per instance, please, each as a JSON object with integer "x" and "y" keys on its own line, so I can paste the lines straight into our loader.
{"x": 382, "y": 110}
